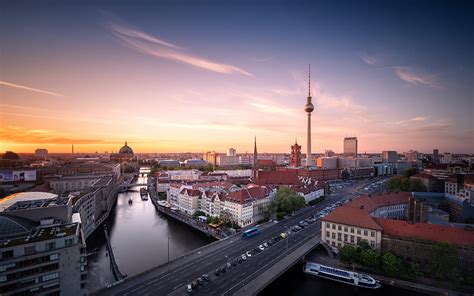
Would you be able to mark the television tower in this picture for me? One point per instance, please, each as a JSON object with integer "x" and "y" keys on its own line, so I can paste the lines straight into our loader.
{"x": 308, "y": 108}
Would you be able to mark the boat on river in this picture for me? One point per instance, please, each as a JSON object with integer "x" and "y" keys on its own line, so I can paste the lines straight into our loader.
{"x": 143, "y": 193}
{"x": 341, "y": 275}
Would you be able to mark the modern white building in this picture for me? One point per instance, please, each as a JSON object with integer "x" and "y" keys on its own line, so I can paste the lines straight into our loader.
{"x": 231, "y": 152}
{"x": 43, "y": 255}
{"x": 226, "y": 160}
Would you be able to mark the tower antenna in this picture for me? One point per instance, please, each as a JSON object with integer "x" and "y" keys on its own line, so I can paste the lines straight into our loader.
{"x": 309, "y": 80}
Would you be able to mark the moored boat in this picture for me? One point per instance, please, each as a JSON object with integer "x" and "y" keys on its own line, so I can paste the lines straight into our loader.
{"x": 341, "y": 275}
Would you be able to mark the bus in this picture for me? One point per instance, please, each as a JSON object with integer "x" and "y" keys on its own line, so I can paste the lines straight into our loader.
{"x": 250, "y": 232}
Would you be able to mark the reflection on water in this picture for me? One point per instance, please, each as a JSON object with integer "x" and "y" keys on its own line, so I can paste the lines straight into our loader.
{"x": 139, "y": 238}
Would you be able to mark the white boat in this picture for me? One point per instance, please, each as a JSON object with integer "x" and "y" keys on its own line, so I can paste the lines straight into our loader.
{"x": 341, "y": 275}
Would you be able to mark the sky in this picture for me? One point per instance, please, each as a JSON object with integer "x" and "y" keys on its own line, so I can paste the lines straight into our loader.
{"x": 193, "y": 76}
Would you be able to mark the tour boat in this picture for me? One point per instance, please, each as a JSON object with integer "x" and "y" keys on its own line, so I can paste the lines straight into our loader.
{"x": 143, "y": 193}
{"x": 341, "y": 275}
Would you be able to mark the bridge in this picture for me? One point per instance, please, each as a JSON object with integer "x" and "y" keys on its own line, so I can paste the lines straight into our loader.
{"x": 246, "y": 278}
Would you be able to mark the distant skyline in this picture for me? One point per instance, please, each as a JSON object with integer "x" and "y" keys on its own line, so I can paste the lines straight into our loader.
{"x": 173, "y": 77}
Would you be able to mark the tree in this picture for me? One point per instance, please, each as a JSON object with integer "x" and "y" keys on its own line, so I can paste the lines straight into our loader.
{"x": 348, "y": 254}
{"x": 414, "y": 270}
{"x": 287, "y": 200}
{"x": 369, "y": 258}
{"x": 406, "y": 184}
{"x": 391, "y": 264}
{"x": 444, "y": 262}
{"x": 199, "y": 213}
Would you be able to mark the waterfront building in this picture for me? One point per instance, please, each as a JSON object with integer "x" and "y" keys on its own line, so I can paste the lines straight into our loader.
{"x": 188, "y": 200}
{"x": 350, "y": 146}
{"x": 42, "y": 249}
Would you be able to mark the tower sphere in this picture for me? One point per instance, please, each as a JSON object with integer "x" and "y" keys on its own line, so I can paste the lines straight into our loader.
{"x": 309, "y": 107}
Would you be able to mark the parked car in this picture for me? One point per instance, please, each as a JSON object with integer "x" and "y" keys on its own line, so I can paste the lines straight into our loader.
{"x": 206, "y": 277}
{"x": 217, "y": 272}
{"x": 261, "y": 248}
{"x": 249, "y": 254}
{"x": 200, "y": 281}
{"x": 189, "y": 288}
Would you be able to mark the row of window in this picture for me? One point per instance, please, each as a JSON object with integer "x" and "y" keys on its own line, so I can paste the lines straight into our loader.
{"x": 351, "y": 229}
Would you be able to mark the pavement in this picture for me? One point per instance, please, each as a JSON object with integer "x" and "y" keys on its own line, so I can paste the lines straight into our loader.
{"x": 172, "y": 278}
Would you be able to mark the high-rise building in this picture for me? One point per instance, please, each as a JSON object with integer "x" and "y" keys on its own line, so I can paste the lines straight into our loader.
{"x": 435, "y": 156}
{"x": 329, "y": 153}
{"x": 411, "y": 156}
{"x": 350, "y": 146}
{"x": 308, "y": 108}
{"x": 41, "y": 153}
{"x": 231, "y": 152}
{"x": 295, "y": 155}
{"x": 210, "y": 157}
{"x": 447, "y": 157}
{"x": 389, "y": 156}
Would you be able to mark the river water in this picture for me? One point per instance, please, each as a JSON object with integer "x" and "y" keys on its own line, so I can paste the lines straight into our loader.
{"x": 139, "y": 237}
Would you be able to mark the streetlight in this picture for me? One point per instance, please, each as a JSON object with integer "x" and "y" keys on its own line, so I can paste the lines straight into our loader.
{"x": 168, "y": 252}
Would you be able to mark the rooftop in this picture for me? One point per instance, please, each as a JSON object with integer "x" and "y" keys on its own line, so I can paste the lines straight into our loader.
{"x": 41, "y": 234}
{"x": 428, "y": 232}
{"x": 352, "y": 216}
{"x": 371, "y": 203}
{"x": 25, "y": 198}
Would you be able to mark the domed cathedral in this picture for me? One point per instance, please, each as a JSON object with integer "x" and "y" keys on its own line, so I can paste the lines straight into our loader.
{"x": 125, "y": 154}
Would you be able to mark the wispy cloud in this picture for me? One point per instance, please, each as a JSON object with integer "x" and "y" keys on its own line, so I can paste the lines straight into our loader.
{"x": 368, "y": 59}
{"x": 154, "y": 46}
{"x": 23, "y": 135}
{"x": 30, "y": 88}
{"x": 414, "y": 119}
{"x": 408, "y": 75}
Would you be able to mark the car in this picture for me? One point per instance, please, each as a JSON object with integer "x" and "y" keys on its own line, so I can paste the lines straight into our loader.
{"x": 240, "y": 260}
{"x": 200, "y": 281}
{"x": 243, "y": 257}
{"x": 217, "y": 272}
{"x": 283, "y": 235}
{"x": 265, "y": 245}
{"x": 194, "y": 284}
{"x": 206, "y": 277}
{"x": 256, "y": 250}
{"x": 261, "y": 248}
{"x": 189, "y": 288}
{"x": 249, "y": 254}
{"x": 228, "y": 265}
{"x": 270, "y": 243}
{"x": 234, "y": 262}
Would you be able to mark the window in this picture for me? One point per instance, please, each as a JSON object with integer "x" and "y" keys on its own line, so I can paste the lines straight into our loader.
{"x": 338, "y": 236}
{"x": 7, "y": 254}
{"x": 50, "y": 246}
{"x": 333, "y": 226}
{"x": 327, "y": 234}
{"x": 358, "y": 231}
{"x": 50, "y": 276}
{"x": 372, "y": 233}
{"x": 372, "y": 244}
{"x": 53, "y": 257}
{"x": 352, "y": 239}
{"x": 3, "y": 278}
{"x": 339, "y": 227}
{"x": 30, "y": 250}
{"x": 333, "y": 235}
{"x": 366, "y": 232}
{"x": 6, "y": 266}
{"x": 328, "y": 225}
{"x": 83, "y": 268}
{"x": 352, "y": 229}
{"x": 69, "y": 242}
{"x": 345, "y": 237}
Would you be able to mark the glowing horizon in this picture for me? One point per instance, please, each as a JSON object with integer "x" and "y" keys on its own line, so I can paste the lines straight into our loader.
{"x": 196, "y": 78}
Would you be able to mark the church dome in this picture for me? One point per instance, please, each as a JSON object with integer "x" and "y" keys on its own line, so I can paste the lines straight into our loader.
{"x": 126, "y": 149}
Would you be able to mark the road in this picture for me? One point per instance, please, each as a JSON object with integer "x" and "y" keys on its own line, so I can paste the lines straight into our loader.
{"x": 172, "y": 279}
